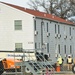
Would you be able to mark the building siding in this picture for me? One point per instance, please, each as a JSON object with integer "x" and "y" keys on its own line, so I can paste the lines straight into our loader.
{"x": 40, "y": 38}
{"x": 10, "y": 36}
{"x": 59, "y": 40}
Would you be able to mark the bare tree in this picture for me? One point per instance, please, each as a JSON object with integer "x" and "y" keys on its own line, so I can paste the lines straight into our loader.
{"x": 47, "y": 5}
{"x": 73, "y": 7}
{"x": 64, "y": 7}
{"x": 61, "y": 8}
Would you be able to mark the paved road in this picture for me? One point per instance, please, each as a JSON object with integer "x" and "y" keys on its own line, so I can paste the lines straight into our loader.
{"x": 55, "y": 73}
{"x": 64, "y": 73}
{"x": 12, "y": 73}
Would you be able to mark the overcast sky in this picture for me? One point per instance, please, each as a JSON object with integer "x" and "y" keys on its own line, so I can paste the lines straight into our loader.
{"x": 17, "y": 2}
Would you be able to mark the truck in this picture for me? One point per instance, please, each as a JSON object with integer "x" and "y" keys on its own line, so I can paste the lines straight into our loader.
{"x": 1, "y": 67}
{"x": 8, "y": 60}
{"x": 8, "y": 64}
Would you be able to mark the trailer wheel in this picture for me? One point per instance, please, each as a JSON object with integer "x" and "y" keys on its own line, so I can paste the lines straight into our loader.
{"x": 19, "y": 70}
{"x": 27, "y": 70}
{"x": 73, "y": 68}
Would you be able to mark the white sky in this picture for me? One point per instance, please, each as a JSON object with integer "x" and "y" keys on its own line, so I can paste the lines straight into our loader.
{"x": 17, "y": 2}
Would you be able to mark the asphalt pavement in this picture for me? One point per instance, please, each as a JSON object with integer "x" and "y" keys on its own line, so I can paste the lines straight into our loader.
{"x": 55, "y": 73}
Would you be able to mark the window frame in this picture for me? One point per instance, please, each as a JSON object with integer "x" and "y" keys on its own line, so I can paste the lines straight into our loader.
{"x": 65, "y": 49}
{"x": 18, "y": 24}
{"x": 34, "y": 24}
{"x": 47, "y": 27}
{"x": 59, "y": 48}
{"x": 58, "y": 29}
{"x": 70, "y": 31}
{"x": 48, "y": 47}
{"x": 17, "y": 48}
{"x": 55, "y": 28}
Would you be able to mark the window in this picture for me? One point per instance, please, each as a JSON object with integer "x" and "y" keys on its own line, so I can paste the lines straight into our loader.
{"x": 55, "y": 29}
{"x": 56, "y": 48}
{"x": 59, "y": 48}
{"x": 70, "y": 30}
{"x": 34, "y": 24}
{"x": 47, "y": 27}
{"x": 65, "y": 48}
{"x": 48, "y": 47}
{"x": 58, "y": 29}
{"x": 64, "y": 30}
{"x": 39, "y": 46}
{"x": 35, "y": 45}
{"x": 70, "y": 49}
{"x": 42, "y": 32}
{"x": 42, "y": 23}
{"x": 18, "y": 24}
{"x": 18, "y": 47}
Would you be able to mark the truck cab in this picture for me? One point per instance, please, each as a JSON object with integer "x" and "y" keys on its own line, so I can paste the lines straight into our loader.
{"x": 1, "y": 67}
{"x": 9, "y": 64}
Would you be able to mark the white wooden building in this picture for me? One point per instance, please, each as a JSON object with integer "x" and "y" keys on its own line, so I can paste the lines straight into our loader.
{"x": 22, "y": 28}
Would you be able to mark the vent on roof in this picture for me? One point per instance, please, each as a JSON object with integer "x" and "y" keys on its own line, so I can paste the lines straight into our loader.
{"x": 66, "y": 20}
{"x": 25, "y": 8}
{"x": 44, "y": 14}
{"x": 52, "y": 16}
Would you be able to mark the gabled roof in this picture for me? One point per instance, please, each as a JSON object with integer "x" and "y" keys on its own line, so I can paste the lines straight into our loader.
{"x": 40, "y": 14}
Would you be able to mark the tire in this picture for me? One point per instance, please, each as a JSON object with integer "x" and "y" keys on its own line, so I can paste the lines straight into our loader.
{"x": 1, "y": 67}
{"x": 27, "y": 70}
{"x": 73, "y": 68}
{"x": 19, "y": 70}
